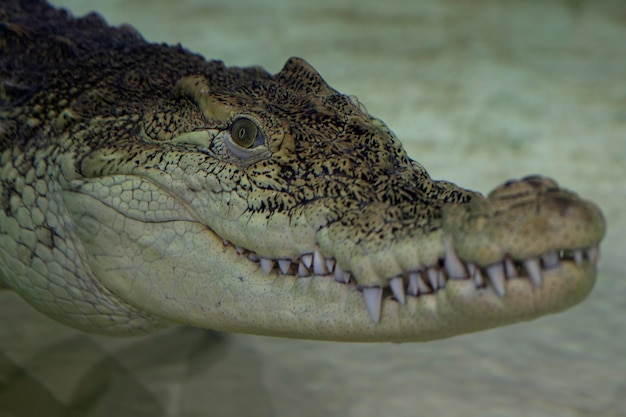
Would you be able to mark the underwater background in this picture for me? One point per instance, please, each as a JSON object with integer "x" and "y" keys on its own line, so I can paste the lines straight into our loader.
{"x": 479, "y": 91}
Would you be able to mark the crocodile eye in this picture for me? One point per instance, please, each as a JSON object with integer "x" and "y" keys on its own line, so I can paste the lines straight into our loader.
{"x": 245, "y": 133}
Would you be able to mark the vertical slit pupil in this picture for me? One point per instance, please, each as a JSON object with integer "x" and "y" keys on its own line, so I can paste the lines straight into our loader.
{"x": 244, "y": 132}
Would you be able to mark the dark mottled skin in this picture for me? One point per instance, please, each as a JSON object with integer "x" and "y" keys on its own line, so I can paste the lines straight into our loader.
{"x": 54, "y": 62}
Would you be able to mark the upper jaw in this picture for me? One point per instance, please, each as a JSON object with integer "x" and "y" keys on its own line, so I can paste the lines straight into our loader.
{"x": 491, "y": 243}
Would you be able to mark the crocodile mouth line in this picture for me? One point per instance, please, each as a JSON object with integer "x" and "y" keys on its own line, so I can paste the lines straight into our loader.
{"x": 426, "y": 281}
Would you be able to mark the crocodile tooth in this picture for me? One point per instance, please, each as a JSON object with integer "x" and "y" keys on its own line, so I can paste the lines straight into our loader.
{"x": 341, "y": 275}
{"x": 479, "y": 280}
{"x": 284, "y": 265}
{"x": 330, "y": 265}
{"x": 302, "y": 270}
{"x": 421, "y": 284}
{"x": 471, "y": 268}
{"x": 594, "y": 255}
{"x": 373, "y": 297}
{"x": 578, "y": 256}
{"x": 453, "y": 264}
{"x": 397, "y": 288}
{"x": 534, "y": 271}
{"x": 414, "y": 287}
{"x": 509, "y": 268}
{"x": 441, "y": 279}
{"x": 253, "y": 257}
{"x": 267, "y": 265}
{"x": 432, "y": 278}
{"x": 319, "y": 264}
{"x": 240, "y": 250}
{"x": 225, "y": 242}
{"x": 307, "y": 259}
{"x": 495, "y": 272}
{"x": 550, "y": 260}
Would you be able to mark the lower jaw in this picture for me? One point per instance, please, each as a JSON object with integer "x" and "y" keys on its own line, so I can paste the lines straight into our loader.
{"x": 320, "y": 309}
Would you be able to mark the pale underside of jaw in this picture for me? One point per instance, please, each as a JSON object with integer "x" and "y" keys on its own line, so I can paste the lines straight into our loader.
{"x": 427, "y": 281}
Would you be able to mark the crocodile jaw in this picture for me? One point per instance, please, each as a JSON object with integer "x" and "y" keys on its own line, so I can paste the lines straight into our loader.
{"x": 183, "y": 272}
{"x": 237, "y": 296}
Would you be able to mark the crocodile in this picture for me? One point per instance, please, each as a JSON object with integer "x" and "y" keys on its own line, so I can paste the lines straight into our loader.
{"x": 142, "y": 186}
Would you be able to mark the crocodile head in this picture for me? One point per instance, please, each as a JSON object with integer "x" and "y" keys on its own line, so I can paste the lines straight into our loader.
{"x": 275, "y": 205}
{"x": 142, "y": 185}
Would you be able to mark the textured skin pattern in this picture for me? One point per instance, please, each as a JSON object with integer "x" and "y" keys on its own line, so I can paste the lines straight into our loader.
{"x": 127, "y": 201}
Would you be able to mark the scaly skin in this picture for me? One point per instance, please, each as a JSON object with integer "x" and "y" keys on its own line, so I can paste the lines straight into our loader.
{"x": 143, "y": 186}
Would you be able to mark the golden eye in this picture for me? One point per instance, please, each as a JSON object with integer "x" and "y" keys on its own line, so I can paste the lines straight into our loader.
{"x": 244, "y": 133}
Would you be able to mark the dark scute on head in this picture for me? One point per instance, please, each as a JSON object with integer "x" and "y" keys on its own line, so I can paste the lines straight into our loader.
{"x": 299, "y": 76}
